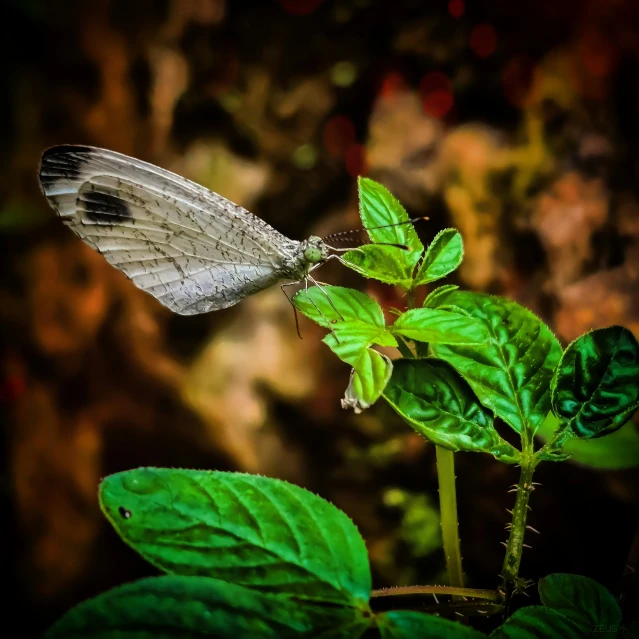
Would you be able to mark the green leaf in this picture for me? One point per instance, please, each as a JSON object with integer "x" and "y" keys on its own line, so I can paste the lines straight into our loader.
{"x": 387, "y": 264}
{"x": 334, "y": 306}
{"x": 435, "y": 297}
{"x": 249, "y": 530}
{"x": 431, "y": 396}
{"x": 406, "y": 624}
{"x": 359, "y": 324}
{"x": 370, "y": 374}
{"x": 585, "y": 602}
{"x": 177, "y": 606}
{"x": 595, "y": 389}
{"x": 511, "y": 372}
{"x": 612, "y": 452}
{"x": 443, "y": 256}
{"x": 378, "y": 207}
{"x": 538, "y": 622}
{"x": 440, "y": 327}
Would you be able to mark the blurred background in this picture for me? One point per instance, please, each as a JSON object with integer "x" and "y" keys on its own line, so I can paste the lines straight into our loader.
{"x": 515, "y": 122}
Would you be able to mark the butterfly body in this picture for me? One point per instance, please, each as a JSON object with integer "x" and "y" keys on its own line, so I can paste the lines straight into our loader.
{"x": 190, "y": 248}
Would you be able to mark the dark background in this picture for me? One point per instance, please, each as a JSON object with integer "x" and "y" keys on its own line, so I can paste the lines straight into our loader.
{"x": 515, "y": 122}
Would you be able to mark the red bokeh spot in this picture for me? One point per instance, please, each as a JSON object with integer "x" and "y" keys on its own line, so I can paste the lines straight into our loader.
{"x": 456, "y": 8}
{"x": 436, "y": 92}
{"x": 483, "y": 40}
{"x": 339, "y": 135}
{"x": 300, "y": 7}
{"x": 392, "y": 84}
{"x": 599, "y": 55}
{"x": 12, "y": 388}
{"x": 355, "y": 160}
{"x": 517, "y": 77}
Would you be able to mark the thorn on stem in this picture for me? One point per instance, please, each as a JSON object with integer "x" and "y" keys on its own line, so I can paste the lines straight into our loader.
{"x": 526, "y": 546}
{"x": 509, "y": 511}
{"x": 503, "y": 543}
{"x": 533, "y": 529}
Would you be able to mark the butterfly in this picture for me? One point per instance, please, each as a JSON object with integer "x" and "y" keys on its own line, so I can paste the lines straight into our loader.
{"x": 191, "y": 249}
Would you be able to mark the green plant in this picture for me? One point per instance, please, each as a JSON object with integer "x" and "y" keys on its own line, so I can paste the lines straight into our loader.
{"x": 254, "y": 557}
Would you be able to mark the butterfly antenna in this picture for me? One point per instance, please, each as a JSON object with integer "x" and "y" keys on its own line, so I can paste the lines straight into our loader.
{"x": 344, "y": 250}
{"x": 340, "y": 236}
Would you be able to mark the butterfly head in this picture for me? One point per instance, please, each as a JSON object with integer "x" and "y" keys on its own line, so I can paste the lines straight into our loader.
{"x": 315, "y": 250}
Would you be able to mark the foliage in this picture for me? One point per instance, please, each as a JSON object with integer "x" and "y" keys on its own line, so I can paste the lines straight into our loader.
{"x": 255, "y": 557}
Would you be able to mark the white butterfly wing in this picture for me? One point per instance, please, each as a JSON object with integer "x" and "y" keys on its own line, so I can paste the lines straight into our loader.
{"x": 190, "y": 248}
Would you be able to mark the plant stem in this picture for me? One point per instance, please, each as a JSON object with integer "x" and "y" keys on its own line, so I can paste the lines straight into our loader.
{"x": 448, "y": 512}
{"x": 447, "y": 502}
{"x": 491, "y": 595}
{"x": 515, "y": 545}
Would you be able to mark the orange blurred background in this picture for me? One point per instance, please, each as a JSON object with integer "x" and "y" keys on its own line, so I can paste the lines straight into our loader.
{"x": 516, "y": 123}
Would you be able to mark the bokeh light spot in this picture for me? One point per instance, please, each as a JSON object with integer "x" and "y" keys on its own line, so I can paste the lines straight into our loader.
{"x": 597, "y": 53}
{"x": 436, "y": 93}
{"x": 300, "y": 7}
{"x": 392, "y": 84}
{"x": 456, "y": 8}
{"x": 355, "y": 160}
{"x": 483, "y": 40}
{"x": 305, "y": 156}
{"x": 339, "y": 135}
{"x": 344, "y": 73}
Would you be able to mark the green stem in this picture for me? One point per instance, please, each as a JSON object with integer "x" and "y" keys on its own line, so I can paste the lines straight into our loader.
{"x": 448, "y": 512}
{"x": 447, "y": 502}
{"x": 515, "y": 545}
{"x": 491, "y": 595}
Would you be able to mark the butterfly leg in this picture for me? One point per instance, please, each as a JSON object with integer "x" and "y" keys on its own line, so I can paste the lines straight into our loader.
{"x": 288, "y": 297}
{"x": 343, "y": 250}
{"x": 336, "y": 257}
{"x": 330, "y": 301}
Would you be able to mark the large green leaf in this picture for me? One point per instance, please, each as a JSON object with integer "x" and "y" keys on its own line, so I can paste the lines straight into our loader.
{"x": 407, "y": 624}
{"x": 443, "y": 256}
{"x": 511, "y": 372}
{"x": 432, "y": 397}
{"x": 613, "y": 452}
{"x": 538, "y": 622}
{"x": 585, "y": 602}
{"x": 178, "y": 606}
{"x": 246, "y": 529}
{"x": 378, "y": 207}
{"x": 595, "y": 388}
{"x": 440, "y": 327}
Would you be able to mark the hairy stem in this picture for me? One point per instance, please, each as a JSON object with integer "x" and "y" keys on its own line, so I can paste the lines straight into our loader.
{"x": 491, "y": 595}
{"x": 448, "y": 510}
{"x": 515, "y": 545}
